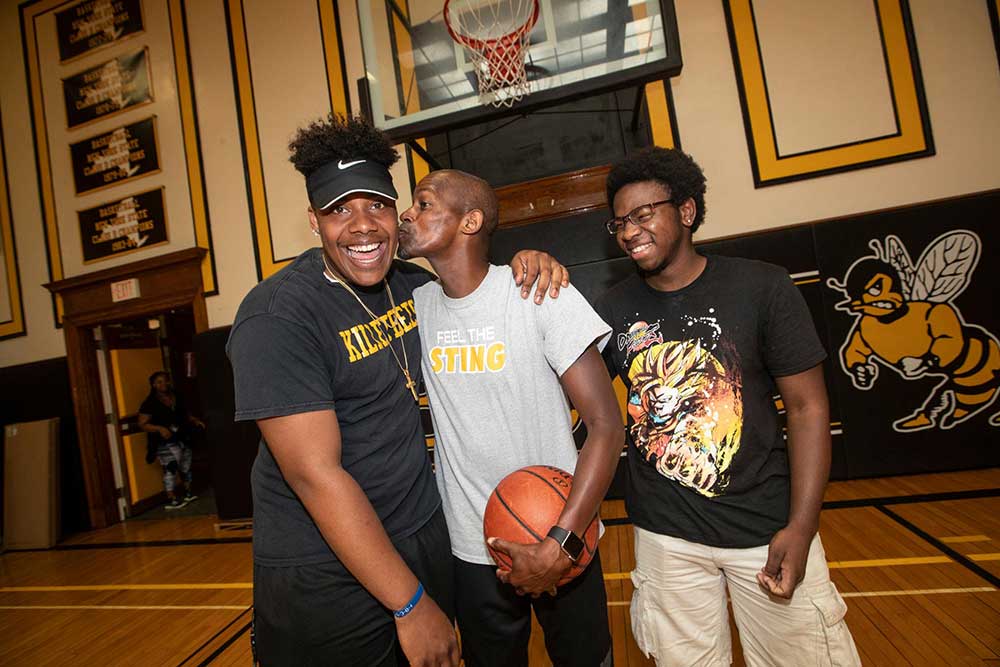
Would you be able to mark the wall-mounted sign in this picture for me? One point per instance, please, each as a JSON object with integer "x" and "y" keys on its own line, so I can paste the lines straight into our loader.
{"x": 116, "y": 156}
{"x": 123, "y": 290}
{"x": 121, "y": 226}
{"x": 90, "y": 25}
{"x": 107, "y": 88}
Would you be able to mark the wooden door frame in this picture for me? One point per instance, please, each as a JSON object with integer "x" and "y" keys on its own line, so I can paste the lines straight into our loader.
{"x": 165, "y": 282}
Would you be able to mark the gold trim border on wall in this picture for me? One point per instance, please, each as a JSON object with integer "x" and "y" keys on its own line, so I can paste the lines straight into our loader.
{"x": 14, "y": 325}
{"x": 246, "y": 110}
{"x": 662, "y": 117}
{"x": 30, "y": 13}
{"x": 912, "y": 139}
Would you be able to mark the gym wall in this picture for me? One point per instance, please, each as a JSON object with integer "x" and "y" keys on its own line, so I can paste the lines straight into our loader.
{"x": 257, "y": 69}
{"x": 283, "y": 51}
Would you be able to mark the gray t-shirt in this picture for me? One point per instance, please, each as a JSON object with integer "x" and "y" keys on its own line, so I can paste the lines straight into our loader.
{"x": 491, "y": 364}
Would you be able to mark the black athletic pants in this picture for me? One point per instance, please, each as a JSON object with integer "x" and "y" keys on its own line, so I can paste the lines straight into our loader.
{"x": 495, "y": 622}
{"x": 320, "y": 615}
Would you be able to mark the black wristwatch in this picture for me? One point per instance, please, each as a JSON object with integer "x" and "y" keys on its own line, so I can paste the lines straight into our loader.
{"x": 571, "y": 545}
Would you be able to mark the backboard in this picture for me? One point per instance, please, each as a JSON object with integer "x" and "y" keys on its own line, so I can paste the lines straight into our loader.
{"x": 418, "y": 80}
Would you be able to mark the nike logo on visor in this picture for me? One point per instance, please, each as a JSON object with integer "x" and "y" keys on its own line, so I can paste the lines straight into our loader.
{"x": 347, "y": 165}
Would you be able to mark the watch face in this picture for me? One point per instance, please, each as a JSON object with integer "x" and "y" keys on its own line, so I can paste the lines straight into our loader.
{"x": 573, "y": 546}
{"x": 568, "y": 542}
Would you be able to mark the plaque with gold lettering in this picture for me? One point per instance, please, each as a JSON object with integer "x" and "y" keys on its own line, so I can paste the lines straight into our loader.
{"x": 95, "y": 23}
{"x": 124, "y": 225}
{"x": 111, "y": 87}
{"x": 117, "y": 156}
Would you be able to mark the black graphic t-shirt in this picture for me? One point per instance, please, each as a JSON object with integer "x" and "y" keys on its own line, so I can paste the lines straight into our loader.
{"x": 301, "y": 343}
{"x": 706, "y": 454}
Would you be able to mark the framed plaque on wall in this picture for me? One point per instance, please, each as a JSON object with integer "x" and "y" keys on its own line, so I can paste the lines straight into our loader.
{"x": 114, "y": 128}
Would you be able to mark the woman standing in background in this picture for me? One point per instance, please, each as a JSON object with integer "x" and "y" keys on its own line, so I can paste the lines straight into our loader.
{"x": 165, "y": 418}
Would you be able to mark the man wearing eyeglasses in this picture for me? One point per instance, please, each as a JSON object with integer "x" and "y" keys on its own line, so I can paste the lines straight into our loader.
{"x": 718, "y": 498}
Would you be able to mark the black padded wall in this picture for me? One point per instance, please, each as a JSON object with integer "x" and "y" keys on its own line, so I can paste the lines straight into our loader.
{"x": 960, "y": 249}
{"x": 864, "y": 442}
{"x": 939, "y": 239}
{"x": 232, "y": 445}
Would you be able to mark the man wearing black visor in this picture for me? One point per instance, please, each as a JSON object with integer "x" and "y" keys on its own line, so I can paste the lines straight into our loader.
{"x": 352, "y": 564}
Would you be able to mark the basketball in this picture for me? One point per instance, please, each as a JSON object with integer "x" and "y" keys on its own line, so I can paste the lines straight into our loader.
{"x": 525, "y": 505}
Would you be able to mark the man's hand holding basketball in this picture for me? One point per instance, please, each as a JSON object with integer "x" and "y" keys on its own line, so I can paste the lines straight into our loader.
{"x": 536, "y": 568}
{"x": 427, "y": 637}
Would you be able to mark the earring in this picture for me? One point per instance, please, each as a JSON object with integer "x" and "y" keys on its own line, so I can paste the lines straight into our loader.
{"x": 315, "y": 232}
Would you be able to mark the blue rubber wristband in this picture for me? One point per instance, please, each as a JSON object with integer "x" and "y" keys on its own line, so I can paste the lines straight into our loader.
{"x": 400, "y": 613}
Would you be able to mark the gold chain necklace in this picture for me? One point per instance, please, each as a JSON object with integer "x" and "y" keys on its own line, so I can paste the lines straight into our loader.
{"x": 404, "y": 365}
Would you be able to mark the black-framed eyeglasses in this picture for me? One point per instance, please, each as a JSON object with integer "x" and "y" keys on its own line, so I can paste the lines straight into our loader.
{"x": 636, "y": 216}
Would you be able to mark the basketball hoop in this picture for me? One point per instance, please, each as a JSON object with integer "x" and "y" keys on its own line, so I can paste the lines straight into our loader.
{"x": 495, "y": 34}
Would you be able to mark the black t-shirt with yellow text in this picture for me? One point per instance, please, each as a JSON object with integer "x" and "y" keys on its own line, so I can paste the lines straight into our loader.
{"x": 301, "y": 343}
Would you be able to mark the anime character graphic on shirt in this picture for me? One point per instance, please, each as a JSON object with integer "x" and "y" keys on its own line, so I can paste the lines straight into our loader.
{"x": 906, "y": 320}
{"x": 686, "y": 412}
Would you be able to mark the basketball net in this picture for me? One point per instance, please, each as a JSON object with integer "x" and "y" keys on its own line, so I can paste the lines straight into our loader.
{"x": 495, "y": 35}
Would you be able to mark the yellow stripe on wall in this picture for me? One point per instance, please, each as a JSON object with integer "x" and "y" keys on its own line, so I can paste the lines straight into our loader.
{"x": 251, "y": 142}
{"x": 189, "y": 126}
{"x": 15, "y": 325}
{"x": 659, "y": 115}
{"x": 334, "y": 66}
{"x": 261, "y": 222}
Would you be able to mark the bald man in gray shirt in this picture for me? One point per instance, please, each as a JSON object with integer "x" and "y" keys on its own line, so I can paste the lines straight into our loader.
{"x": 498, "y": 372}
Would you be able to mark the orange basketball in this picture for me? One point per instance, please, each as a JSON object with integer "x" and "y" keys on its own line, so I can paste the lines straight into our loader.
{"x": 525, "y": 505}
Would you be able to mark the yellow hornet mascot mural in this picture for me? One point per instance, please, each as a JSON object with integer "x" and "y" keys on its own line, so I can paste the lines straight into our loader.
{"x": 906, "y": 321}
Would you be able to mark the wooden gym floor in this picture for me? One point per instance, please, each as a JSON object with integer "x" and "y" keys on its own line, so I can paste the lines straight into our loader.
{"x": 916, "y": 558}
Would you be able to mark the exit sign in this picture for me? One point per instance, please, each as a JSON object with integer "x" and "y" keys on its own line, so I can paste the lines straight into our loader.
{"x": 123, "y": 290}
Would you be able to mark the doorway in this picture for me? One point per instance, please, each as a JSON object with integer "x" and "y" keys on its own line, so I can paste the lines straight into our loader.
{"x": 166, "y": 286}
{"x": 129, "y": 352}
